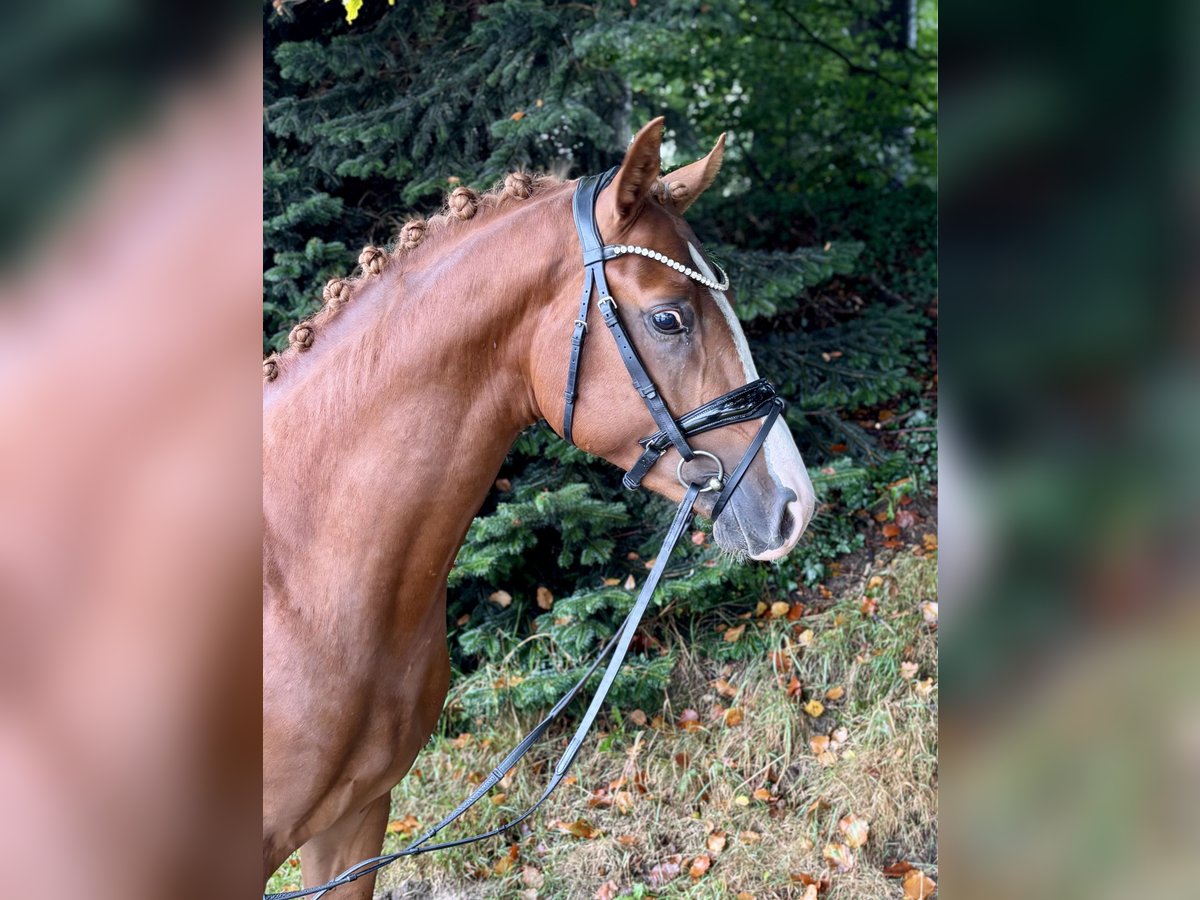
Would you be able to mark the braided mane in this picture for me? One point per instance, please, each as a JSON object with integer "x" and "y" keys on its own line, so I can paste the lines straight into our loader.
{"x": 461, "y": 205}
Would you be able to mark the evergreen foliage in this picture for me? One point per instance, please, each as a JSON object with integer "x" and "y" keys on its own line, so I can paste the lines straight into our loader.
{"x": 824, "y": 216}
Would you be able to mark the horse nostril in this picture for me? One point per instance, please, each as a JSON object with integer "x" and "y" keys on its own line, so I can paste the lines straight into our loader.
{"x": 786, "y": 523}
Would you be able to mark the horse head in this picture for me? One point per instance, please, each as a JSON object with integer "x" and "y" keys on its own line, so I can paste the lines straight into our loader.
{"x": 690, "y": 341}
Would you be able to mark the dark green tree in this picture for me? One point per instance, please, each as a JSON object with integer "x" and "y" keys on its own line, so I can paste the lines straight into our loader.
{"x": 825, "y": 218}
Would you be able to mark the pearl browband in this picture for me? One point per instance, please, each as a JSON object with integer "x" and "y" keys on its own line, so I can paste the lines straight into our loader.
{"x": 614, "y": 250}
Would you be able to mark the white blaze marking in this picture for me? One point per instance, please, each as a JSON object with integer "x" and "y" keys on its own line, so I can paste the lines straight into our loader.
{"x": 779, "y": 450}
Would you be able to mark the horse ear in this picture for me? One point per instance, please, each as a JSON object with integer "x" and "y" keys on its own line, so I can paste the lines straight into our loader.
{"x": 686, "y": 184}
{"x": 639, "y": 170}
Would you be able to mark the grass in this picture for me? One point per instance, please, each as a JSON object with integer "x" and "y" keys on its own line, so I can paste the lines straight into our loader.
{"x": 656, "y": 793}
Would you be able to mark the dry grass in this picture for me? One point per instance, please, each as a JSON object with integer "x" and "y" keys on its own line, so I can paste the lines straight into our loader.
{"x": 701, "y": 783}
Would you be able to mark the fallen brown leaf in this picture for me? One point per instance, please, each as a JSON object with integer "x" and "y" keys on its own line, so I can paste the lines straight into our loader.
{"x": 664, "y": 872}
{"x": 838, "y": 856}
{"x": 580, "y": 828}
{"x": 855, "y": 830}
{"x": 501, "y": 598}
{"x": 733, "y": 717}
{"x": 762, "y": 794}
{"x": 724, "y": 688}
{"x": 819, "y": 743}
{"x": 608, "y": 890}
{"x": 918, "y": 885}
{"x": 545, "y": 599}
{"x": 891, "y": 530}
{"x": 689, "y": 720}
{"x": 779, "y": 609}
{"x": 749, "y": 837}
{"x": 699, "y": 866}
{"x": 908, "y": 670}
{"x": 732, "y": 634}
{"x": 835, "y": 693}
{"x": 814, "y": 707}
{"x": 627, "y": 840}
{"x": 716, "y": 842}
{"x": 532, "y": 877}
{"x": 623, "y": 801}
{"x": 898, "y": 869}
{"x": 406, "y": 826}
{"x": 503, "y": 484}
{"x": 795, "y": 687}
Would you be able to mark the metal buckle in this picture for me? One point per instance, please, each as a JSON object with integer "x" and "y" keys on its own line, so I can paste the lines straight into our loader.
{"x": 715, "y": 482}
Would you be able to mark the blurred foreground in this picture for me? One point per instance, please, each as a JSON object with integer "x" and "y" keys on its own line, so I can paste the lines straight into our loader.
{"x": 1070, "y": 488}
{"x": 129, "y": 448}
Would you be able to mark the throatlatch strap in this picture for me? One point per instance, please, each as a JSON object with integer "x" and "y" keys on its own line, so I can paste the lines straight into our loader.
{"x": 577, "y": 337}
{"x": 583, "y": 210}
{"x": 618, "y": 646}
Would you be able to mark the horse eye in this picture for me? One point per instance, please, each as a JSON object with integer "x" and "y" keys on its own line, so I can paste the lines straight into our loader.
{"x": 668, "y": 321}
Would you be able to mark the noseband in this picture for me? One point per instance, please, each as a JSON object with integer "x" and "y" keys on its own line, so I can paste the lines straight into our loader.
{"x": 755, "y": 400}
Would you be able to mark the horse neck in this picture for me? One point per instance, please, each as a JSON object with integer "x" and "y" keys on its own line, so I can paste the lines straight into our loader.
{"x": 388, "y": 437}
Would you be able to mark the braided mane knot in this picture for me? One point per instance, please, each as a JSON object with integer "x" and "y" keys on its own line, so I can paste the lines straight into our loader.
{"x": 518, "y": 185}
{"x": 463, "y": 203}
{"x": 412, "y": 234}
{"x": 336, "y": 293}
{"x": 670, "y": 191}
{"x": 372, "y": 259}
{"x": 271, "y": 368}
{"x": 301, "y": 337}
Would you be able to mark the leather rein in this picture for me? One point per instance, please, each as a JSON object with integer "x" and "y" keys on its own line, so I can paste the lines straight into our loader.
{"x": 756, "y": 400}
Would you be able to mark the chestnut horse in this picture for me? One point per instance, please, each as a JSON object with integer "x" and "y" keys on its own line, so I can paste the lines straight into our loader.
{"x": 385, "y": 425}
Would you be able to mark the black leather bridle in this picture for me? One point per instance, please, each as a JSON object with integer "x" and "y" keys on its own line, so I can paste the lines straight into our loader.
{"x": 755, "y": 400}
{"x": 751, "y": 401}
